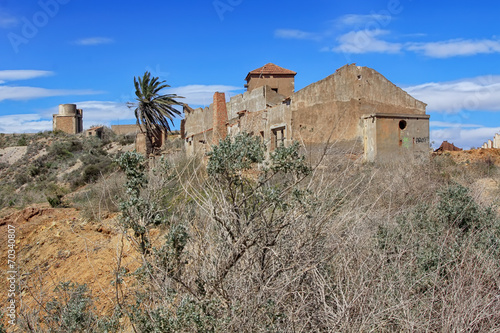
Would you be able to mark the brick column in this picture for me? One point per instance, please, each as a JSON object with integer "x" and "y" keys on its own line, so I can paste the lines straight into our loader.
{"x": 220, "y": 118}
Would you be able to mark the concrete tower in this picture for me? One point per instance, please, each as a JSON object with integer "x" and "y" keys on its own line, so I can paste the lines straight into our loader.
{"x": 69, "y": 119}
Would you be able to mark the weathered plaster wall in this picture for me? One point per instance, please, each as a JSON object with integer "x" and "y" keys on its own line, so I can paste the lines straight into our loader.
{"x": 284, "y": 84}
{"x": 250, "y": 101}
{"x": 199, "y": 143}
{"x": 332, "y": 108}
{"x": 391, "y": 136}
{"x": 198, "y": 120}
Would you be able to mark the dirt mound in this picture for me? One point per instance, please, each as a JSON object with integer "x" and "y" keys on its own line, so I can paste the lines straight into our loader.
{"x": 474, "y": 155}
{"x": 55, "y": 245}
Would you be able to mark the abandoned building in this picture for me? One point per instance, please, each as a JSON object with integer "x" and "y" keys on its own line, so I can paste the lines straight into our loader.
{"x": 96, "y": 131}
{"x": 69, "y": 119}
{"x": 356, "y": 106}
{"x": 495, "y": 143}
{"x": 446, "y": 146}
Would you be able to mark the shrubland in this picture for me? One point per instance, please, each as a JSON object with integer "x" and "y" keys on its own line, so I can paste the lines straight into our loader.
{"x": 245, "y": 241}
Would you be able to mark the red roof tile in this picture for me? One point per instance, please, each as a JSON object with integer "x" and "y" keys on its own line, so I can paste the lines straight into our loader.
{"x": 270, "y": 69}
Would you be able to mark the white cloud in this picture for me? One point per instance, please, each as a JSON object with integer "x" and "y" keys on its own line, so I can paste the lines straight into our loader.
{"x": 445, "y": 124}
{"x": 94, "y": 41}
{"x": 8, "y": 21}
{"x": 366, "y": 32}
{"x": 475, "y": 94}
{"x": 463, "y": 138}
{"x": 296, "y": 34}
{"x": 356, "y": 20}
{"x": 26, "y": 93}
{"x": 455, "y": 47}
{"x": 23, "y": 74}
{"x": 365, "y": 41}
{"x": 24, "y": 123}
{"x": 202, "y": 95}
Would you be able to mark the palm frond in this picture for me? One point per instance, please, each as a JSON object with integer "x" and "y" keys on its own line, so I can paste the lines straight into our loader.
{"x": 153, "y": 110}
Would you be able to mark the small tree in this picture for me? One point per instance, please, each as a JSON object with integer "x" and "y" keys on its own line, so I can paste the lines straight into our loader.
{"x": 153, "y": 111}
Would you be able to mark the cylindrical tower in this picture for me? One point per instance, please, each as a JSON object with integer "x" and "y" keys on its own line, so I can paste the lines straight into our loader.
{"x": 67, "y": 109}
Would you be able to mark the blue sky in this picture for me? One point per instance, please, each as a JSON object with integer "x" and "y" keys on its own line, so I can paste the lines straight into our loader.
{"x": 445, "y": 53}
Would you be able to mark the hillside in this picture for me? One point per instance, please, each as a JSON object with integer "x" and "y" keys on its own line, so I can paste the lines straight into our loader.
{"x": 350, "y": 247}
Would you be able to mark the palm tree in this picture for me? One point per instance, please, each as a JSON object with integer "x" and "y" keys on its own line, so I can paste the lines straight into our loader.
{"x": 153, "y": 110}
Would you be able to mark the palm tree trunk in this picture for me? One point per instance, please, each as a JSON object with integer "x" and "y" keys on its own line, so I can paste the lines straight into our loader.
{"x": 149, "y": 143}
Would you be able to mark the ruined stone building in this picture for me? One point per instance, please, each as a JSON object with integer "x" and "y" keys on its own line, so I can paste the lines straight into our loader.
{"x": 69, "y": 119}
{"x": 446, "y": 146}
{"x": 96, "y": 131}
{"x": 495, "y": 143}
{"x": 355, "y": 106}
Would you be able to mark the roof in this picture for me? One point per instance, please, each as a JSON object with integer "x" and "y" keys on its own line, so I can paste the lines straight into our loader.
{"x": 270, "y": 68}
{"x": 95, "y": 128}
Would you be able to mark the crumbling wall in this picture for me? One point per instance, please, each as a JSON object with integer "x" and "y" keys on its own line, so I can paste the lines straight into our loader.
{"x": 332, "y": 108}
{"x": 198, "y": 120}
{"x": 250, "y": 101}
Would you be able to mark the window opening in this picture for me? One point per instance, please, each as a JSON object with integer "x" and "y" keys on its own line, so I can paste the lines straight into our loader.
{"x": 402, "y": 124}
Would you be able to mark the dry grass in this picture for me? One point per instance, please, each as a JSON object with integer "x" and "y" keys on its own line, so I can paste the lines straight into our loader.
{"x": 365, "y": 248}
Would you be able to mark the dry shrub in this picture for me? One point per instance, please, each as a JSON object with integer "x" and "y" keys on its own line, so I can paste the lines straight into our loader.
{"x": 98, "y": 200}
{"x": 280, "y": 247}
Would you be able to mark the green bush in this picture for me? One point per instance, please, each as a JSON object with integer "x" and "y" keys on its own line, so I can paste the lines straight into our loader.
{"x": 21, "y": 179}
{"x": 65, "y": 149}
{"x": 23, "y": 140}
{"x": 55, "y": 201}
{"x": 72, "y": 311}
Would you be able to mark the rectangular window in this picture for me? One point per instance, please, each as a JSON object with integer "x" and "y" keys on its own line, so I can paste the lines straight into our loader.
{"x": 278, "y": 137}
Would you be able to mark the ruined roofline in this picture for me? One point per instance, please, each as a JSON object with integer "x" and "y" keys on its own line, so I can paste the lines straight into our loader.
{"x": 239, "y": 98}
{"x": 395, "y": 115}
{"x": 342, "y": 69}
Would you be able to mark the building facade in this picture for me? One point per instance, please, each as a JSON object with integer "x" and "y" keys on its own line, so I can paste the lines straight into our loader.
{"x": 355, "y": 106}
